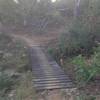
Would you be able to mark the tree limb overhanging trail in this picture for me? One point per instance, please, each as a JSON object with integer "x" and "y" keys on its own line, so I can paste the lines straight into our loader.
{"x": 47, "y": 74}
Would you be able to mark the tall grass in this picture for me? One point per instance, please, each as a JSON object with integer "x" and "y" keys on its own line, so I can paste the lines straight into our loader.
{"x": 25, "y": 90}
{"x": 87, "y": 70}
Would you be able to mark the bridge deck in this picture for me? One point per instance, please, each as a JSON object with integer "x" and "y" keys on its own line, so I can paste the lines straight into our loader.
{"x": 47, "y": 74}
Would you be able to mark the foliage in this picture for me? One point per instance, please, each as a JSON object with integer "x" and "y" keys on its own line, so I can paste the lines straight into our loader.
{"x": 95, "y": 61}
{"x": 77, "y": 40}
{"x": 50, "y": 50}
{"x": 4, "y": 98}
{"x": 37, "y": 15}
{"x": 24, "y": 90}
{"x": 82, "y": 73}
{"x": 14, "y": 57}
{"x": 81, "y": 36}
{"x": 5, "y": 82}
{"x": 54, "y": 52}
{"x": 87, "y": 70}
{"x": 13, "y": 54}
{"x": 85, "y": 97}
{"x": 7, "y": 9}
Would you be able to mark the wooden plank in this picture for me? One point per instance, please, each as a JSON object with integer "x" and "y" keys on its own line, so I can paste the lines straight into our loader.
{"x": 53, "y": 84}
{"x": 50, "y": 79}
{"x": 47, "y": 73}
{"x": 42, "y": 74}
{"x": 53, "y": 87}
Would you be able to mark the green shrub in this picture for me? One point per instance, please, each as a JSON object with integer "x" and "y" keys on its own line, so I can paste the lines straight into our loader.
{"x": 5, "y": 81}
{"x": 4, "y": 98}
{"x": 82, "y": 72}
{"x": 85, "y": 97}
{"x": 86, "y": 71}
{"x": 85, "y": 30}
{"x": 50, "y": 51}
{"x": 13, "y": 54}
{"x": 78, "y": 40}
{"x": 54, "y": 52}
{"x": 25, "y": 90}
{"x": 96, "y": 60}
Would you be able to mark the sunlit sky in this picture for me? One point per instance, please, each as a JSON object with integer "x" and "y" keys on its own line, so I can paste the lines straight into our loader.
{"x": 53, "y": 1}
{"x": 16, "y": 1}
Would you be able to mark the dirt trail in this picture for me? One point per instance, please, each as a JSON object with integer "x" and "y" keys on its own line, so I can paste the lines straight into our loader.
{"x": 37, "y": 39}
{"x": 27, "y": 40}
{"x": 56, "y": 94}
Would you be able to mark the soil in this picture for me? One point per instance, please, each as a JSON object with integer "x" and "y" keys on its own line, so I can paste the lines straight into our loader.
{"x": 38, "y": 39}
{"x": 43, "y": 40}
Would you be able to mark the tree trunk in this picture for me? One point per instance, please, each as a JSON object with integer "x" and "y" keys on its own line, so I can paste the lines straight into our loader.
{"x": 25, "y": 22}
{"x": 1, "y": 28}
{"x": 77, "y": 8}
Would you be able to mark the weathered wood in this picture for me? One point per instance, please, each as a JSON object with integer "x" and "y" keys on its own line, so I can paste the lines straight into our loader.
{"x": 51, "y": 78}
{"x": 47, "y": 74}
{"x": 53, "y": 84}
{"x": 52, "y": 87}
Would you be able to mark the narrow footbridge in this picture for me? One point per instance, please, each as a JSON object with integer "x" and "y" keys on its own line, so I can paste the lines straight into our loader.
{"x": 47, "y": 74}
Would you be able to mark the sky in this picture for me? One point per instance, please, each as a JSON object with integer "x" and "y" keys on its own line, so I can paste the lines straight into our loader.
{"x": 16, "y": 1}
{"x": 53, "y": 1}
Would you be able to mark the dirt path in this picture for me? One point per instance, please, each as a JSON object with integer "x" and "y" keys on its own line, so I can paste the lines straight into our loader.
{"x": 26, "y": 39}
{"x": 60, "y": 94}
{"x": 37, "y": 39}
{"x": 56, "y": 94}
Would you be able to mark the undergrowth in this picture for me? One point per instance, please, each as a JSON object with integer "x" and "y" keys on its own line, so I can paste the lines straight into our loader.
{"x": 87, "y": 69}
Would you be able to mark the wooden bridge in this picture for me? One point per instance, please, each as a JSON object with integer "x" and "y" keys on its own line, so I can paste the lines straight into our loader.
{"x": 47, "y": 74}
